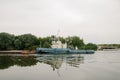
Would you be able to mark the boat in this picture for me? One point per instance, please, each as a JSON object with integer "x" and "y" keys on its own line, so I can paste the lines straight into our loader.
{"x": 58, "y": 47}
{"x": 61, "y": 50}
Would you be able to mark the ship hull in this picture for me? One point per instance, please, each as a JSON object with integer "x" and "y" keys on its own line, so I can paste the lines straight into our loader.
{"x": 62, "y": 51}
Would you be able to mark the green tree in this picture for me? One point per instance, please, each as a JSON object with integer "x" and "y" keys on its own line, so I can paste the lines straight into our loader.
{"x": 26, "y": 41}
{"x": 45, "y": 42}
{"x": 91, "y": 46}
{"x": 75, "y": 41}
{"x": 6, "y": 41}
{"x": 46, "y": 45}
{"x": 62, "y": 39}
{"x": 18, "y": 44}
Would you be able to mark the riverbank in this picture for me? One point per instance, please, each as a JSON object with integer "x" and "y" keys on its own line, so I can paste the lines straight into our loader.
{"x": 18, "y": 52}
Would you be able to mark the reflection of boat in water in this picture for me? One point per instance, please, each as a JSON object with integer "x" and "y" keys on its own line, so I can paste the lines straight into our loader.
{"x": 57, "y": 47}
{"x": 56, "y": 60}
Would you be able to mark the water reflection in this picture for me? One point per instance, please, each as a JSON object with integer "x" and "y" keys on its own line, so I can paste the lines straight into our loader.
{"x": 74, "y": 61}
{"x": 7, "y": 61}
{"x": 55, "y": 61}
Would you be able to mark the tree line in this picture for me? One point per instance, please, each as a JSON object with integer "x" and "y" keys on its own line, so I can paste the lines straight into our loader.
{"x": 31, "y": 42}
{"x": 110, "y": 45}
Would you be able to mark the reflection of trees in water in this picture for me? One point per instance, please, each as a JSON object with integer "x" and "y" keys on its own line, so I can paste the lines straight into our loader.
{"x": 26, "y": 61}
{"x": 7, "y": 61}
{"x": 54, "y": 60}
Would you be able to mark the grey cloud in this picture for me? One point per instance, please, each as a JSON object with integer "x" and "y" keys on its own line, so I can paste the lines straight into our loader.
{"x": 94, "y": 20}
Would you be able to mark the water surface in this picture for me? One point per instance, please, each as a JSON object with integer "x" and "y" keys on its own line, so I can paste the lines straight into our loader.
{"x": 103, "y": 65}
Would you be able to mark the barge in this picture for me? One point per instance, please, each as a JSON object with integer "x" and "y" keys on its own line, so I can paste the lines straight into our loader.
{"x": 61, "y": 50}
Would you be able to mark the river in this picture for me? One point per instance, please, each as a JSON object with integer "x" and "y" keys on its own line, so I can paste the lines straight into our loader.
{"x": 103, "y": 65}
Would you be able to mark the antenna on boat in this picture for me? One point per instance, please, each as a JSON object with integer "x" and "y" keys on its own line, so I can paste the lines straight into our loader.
{"x": 58, "y": 33}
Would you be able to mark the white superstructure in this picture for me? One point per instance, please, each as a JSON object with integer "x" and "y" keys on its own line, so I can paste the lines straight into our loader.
{"x": 58, "y": 44}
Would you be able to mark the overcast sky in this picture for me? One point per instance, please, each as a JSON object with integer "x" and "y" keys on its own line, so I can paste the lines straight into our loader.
{"x": 96, "y": 21}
